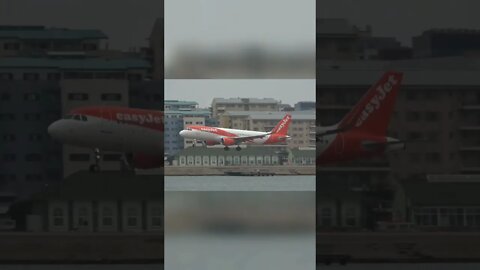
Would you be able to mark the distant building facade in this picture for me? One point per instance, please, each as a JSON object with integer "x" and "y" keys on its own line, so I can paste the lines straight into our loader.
{"x": 99, "y": 202}
{"x": 248, "y": 156}
{"x": 429, "y": 203}
{"x": 305, "y": 105}
{"x": 338, "y": 39}
{"x": 178, "y": 114}
{"x": 446, "y": 42}
{"x": 222, "y": 105}
{"x": 21, "y": 41}
{"x": 302, "y": 127}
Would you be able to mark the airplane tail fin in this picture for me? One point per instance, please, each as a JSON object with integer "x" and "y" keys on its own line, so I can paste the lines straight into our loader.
{"x": 282, "y": 126}
{"x": 372, "y": 113}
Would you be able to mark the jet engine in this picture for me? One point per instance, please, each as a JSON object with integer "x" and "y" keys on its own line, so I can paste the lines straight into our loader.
{"x": 228, "y": 141}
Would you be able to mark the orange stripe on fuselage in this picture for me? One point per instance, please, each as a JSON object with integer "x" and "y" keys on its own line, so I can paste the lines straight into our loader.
{"x": 139, "y": 117}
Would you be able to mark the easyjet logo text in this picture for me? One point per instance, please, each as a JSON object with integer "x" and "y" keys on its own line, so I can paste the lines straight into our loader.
{"x": 376, "y": 101}
{"x": 284, "y": 122}
{"x": 139, "y": 118}
{"x": 208, "y": 129}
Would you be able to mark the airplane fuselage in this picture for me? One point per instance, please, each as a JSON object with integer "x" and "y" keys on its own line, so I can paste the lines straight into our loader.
{"x": 112, "y": 129}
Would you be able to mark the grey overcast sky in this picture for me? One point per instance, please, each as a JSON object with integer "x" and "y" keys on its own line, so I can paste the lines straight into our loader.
{"x": 214, "y": 24}
{"x": 403, "y": 18}
{"x": 203, "y": 91}
{"x": 129, "y": 22}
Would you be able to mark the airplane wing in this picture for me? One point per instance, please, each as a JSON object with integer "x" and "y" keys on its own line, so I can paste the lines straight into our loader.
{"x": 248, "y": 138}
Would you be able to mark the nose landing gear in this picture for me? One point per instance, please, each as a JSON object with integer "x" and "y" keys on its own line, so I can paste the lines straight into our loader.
{"x": 96, "y": 155}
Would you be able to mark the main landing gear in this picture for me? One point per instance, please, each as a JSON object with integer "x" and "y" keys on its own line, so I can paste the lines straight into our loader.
{"x": 238, "y": 148}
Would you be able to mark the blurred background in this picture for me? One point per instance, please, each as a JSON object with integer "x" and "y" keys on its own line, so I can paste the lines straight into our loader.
{"x": 239, "y": 39}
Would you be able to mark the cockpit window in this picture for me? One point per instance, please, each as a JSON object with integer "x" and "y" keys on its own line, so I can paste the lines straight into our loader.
{"x": 77, "y": 117}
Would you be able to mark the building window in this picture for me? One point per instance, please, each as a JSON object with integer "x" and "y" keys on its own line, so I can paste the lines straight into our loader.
{"x": 432, "y": 136}
{"x": 350, "y": 217}
{"x": 413, "y": 116}
{"x": 32, "y": 116}
{"x": 326, "y": 217}
{"x": 9, "y": 157}
{"x": 9, "y": 137}
{"x": 7, "y": 117}
{"x": 6, "y": 76}
{"x": 89, "y": 47}
{"x": 132, "y": 217}
{"x": 107, "y": 216}
{"x": 5, "y": 96}
{"x": 432, "y": 157}
{"x": 58, "y": 217}
{"x": 78, "y": 75}
{"x": 426, "y": 216}
{"x": 411, "y": 95}
{"x": 78, "y": 96}
{"x": 111, "y": 97}
{"x": 432, "y": 116}
{"x": 414, "y": 135}
{"x": 33, "y": 177}
{"x": 414, "y": 157}
{"x": 83, "y": 217}
{"x": 33, "y": 157}
{"x": 31, "y": 76}
{"x": 79, "y": 157}
{"x": 53, "y": 76}
{"x": 11, "y": 46}
{"x": 31, "y": 96}
{"x": 134, "y": 77}
{"x": 157, "y": 217}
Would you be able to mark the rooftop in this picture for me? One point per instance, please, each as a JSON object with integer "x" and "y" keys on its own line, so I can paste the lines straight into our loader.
{"x": 192, "y": 112}
{"x": 85, "y": 63}
{"x": 179, "y": 102}
{"x": 246, "y": 100}
{"x": 335, "y": 26}
{"x": 261, "y": 115}
{"x": 441, "y": 71}
{"x": 42, "y": 33}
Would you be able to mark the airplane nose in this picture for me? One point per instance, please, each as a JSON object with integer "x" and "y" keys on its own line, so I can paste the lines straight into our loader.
{"x": 55, "y": 130}
{"x": 182, "y": 133}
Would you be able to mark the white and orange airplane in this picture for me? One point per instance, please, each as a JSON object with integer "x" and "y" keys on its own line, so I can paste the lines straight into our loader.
{"x": 117, "y": 129}
{"x": 229, "y": 137}
{"x": 362, "y": 133}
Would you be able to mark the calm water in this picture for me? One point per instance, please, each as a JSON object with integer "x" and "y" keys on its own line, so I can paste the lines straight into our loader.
{"x": 240, "y": 183}
{"x": 404, "y": 266}
{"x": 240, "y": 252}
